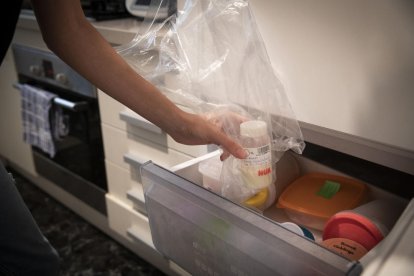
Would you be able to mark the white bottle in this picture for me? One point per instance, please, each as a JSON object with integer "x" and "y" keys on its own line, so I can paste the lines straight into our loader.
{"x": 256, "y": 168}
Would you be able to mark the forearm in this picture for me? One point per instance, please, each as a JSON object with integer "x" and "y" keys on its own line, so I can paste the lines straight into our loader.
{"x": 82, "y": 47}
{"x": 68, "y": 34}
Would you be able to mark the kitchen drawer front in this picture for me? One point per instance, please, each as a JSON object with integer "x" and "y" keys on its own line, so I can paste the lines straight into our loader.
{"x": 109, "y": 111}
{"x": 127, "y": 222}
{"x": 125, "y": 186}
{"x": 134, "y": 227}
{"x": 200, "y": 230}
{"x": 140, "y": 127}
{"x": 117, "y": 115}
{"x": 118, "y": 144}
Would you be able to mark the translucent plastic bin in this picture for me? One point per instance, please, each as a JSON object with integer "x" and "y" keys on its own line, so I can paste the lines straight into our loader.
{"x": 207, "y": 234}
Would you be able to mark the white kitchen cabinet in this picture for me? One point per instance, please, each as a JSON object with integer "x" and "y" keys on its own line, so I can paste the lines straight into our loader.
{"x": 129, "y": 142}
{"x": 345, "y": 65}
{"x": 179, "y": 213}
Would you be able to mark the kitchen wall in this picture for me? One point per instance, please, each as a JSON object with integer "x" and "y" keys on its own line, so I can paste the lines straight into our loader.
{"x": 346, "y": 65}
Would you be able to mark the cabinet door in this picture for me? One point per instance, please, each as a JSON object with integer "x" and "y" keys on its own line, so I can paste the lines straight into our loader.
{"x": 209, "y": 235}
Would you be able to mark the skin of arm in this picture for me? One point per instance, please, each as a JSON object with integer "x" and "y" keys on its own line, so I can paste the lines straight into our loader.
{"x": 71, "y": 36}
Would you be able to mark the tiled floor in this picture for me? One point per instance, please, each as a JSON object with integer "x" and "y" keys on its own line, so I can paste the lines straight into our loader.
{"x": 84, "y": 250}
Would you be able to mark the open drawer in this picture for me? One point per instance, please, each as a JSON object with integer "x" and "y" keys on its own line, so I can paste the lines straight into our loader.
{"x": 207, "y": 234}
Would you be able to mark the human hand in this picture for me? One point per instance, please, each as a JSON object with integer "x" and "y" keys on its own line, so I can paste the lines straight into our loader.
{"x": 211, "y": 128}
{"x": 229, "y": 123}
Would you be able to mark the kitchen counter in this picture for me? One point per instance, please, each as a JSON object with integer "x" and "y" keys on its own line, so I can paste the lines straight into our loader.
{"x": 117, "y": 31}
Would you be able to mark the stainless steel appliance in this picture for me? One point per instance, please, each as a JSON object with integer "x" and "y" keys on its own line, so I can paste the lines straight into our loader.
{"x": 78, "y": 166}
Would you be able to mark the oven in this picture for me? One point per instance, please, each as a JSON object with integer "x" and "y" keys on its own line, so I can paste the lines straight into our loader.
{"x": 77, "y": 165}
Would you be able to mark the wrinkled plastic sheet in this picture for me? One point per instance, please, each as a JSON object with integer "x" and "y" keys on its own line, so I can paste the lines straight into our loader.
{"x": 210, "y": 57}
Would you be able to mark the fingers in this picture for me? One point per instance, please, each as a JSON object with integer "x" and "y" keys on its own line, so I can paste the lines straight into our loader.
{"x": 222, "y": 125}
{"x": 224, "y": 155}
{"x": 199, "y": 130}
{"x": 229, "y": 146}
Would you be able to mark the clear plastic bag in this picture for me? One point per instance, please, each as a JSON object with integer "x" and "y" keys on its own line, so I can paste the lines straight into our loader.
{"x": 211, "y": 58}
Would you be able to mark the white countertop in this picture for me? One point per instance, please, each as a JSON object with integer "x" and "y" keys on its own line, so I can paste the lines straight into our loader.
{"x": 117, "y": 31}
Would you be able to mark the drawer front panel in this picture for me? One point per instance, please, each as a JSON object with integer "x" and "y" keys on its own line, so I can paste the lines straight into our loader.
{"x": 109, "y": 111}
{"x": 125, "y": 187}
{"x": 127, "y": 222}
{"x": 118, "y": 143}
{"x": 140, "y": 127}
{"x": 115, "y": 114}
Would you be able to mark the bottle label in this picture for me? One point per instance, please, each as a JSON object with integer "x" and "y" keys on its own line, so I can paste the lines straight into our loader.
{"x": 257, "y": 167}
{"x": 257, "y": 156}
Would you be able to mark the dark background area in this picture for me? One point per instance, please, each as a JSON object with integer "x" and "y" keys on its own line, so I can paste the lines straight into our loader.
{"x": 84, "y": 250}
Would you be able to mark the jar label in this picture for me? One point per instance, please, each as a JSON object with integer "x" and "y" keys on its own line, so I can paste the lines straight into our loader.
{"x": 257, "y": 156}
{"x": 345, "y": 247}
{"x": 257, "y": 167}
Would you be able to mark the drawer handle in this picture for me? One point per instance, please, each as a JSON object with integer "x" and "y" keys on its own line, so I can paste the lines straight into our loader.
{"x": 134, "y": 119}
{"x": 74, "y": 106}
{"x": 137, "y": 198}
{"x": 134, "y": 160}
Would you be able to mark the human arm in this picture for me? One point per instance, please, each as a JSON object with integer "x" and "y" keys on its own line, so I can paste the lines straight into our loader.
{"x": 71, "y": 37}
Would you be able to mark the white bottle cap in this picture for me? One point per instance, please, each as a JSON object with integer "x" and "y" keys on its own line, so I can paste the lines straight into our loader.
{"x": 253, "y": 129}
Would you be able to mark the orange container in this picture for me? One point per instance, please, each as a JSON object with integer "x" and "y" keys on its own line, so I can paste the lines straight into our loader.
{"x": 313, "y": 198}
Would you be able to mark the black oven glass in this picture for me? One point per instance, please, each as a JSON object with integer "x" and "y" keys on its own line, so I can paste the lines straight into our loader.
{"x": 81, "y": 150}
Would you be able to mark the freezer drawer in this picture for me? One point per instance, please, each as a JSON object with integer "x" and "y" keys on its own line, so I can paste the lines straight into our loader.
{"x": 209, "y": 235}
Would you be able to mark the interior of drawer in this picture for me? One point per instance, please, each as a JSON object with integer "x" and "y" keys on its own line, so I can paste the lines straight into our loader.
{"x": 291, "y": 167}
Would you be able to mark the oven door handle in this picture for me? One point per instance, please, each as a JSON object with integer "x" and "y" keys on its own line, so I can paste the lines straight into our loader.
{"x": 74, "y": 106}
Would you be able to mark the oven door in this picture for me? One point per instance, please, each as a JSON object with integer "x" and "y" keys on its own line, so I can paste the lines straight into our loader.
{"x": 80, "y": 150}
{"x": 78, "y": 165}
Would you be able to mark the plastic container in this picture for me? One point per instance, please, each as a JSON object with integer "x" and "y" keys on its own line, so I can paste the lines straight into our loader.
{"x": 300, "y": 230}
{"x": 256, "y": 168}
{"x": 366, "y": 225}
{"x": 351, "y": 226}
{"x": 210, "y": 170}
{"x": 348, "y": 248}
{"x": 313, "y": 198}
{"x": 383, "y": 213}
